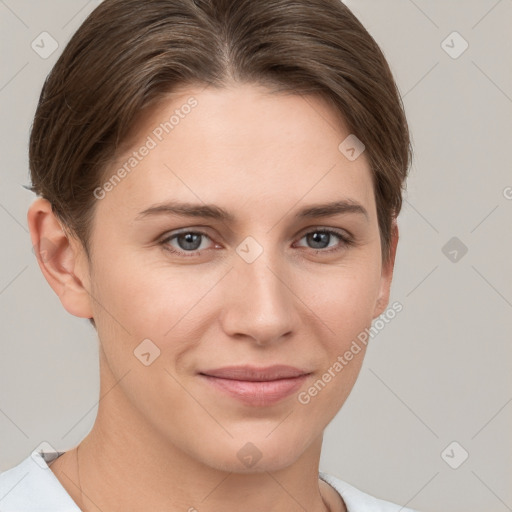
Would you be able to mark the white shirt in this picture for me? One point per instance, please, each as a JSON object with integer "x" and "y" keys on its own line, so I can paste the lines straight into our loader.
{"x": 32, "y": 487}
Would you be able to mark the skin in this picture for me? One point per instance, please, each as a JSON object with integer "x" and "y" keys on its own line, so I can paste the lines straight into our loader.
{"x": 166, "y": 439}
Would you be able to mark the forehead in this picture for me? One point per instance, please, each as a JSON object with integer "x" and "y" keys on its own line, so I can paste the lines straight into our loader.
{"x": 242, "y": 145}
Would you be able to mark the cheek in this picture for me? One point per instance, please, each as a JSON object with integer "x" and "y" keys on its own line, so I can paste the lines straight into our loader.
{"x": 344, "y": 303}
{"x": 152, "y": 301}
{"x": 344, "y": 300}
{"x": 342, "y": 296}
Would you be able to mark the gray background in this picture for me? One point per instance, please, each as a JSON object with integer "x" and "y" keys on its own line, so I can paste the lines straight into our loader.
{"x": 438, "y": 373}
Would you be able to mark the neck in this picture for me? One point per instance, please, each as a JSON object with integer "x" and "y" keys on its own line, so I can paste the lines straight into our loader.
{"x": 143, "y": 483}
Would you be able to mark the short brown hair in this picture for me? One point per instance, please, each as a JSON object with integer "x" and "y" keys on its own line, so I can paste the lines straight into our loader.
{"x": 129, "y": 53}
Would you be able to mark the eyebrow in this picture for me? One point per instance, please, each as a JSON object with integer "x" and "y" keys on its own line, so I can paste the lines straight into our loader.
{"x": 344, "y": 206}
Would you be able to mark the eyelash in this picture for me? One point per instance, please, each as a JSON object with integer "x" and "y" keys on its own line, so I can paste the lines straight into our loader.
{"x": 346, "y": 240}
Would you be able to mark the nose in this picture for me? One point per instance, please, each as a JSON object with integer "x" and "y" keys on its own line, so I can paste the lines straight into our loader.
{"x": 258, "y": 301}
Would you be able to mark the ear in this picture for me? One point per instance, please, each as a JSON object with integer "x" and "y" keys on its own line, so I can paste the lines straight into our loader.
{"x": 387, "y": 273}
{"x": 61, "y": 258}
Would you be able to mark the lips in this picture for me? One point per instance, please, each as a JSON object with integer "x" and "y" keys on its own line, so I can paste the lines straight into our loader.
{"x": 254, "y": 374}
{"x": 256, "y": 386}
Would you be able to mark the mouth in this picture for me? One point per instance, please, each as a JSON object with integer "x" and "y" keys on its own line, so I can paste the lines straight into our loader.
{"x": 256, "y": 386}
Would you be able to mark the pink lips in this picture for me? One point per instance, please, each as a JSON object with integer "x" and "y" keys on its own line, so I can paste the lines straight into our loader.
{"x": 257, "y": 386}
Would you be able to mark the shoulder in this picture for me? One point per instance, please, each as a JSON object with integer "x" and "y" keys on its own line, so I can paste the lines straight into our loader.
{"x": 357, "y": 500}
{"x": 31, "y": 486}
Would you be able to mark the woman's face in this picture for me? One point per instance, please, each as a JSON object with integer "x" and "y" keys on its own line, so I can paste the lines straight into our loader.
{"x": 177, "y": 295}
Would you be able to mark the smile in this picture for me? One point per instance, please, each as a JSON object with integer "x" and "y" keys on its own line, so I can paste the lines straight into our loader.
{"x": 256, "y": 387}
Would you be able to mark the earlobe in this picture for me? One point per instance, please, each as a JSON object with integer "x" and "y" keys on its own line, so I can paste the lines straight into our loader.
{"x": 387, "y": 273}
{"x": 61, "y": 259}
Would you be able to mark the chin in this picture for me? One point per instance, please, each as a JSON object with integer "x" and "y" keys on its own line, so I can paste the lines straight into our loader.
{"x": 264, "y": 465}
{"x": 259, "y": 455}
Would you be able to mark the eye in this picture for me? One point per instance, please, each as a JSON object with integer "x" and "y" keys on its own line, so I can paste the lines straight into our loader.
{"x": 320, "y": 239}
{"x": 189, "y": 243}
